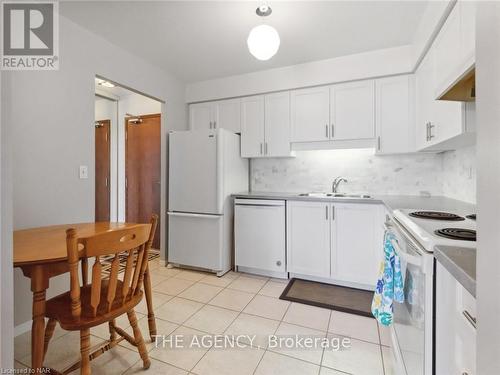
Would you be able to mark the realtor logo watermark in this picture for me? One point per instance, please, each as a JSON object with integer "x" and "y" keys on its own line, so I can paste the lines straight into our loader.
{"x": 30, "y": 39}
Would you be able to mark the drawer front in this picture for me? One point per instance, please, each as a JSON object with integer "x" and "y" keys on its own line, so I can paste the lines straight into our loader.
{"x": 195, "y": 240}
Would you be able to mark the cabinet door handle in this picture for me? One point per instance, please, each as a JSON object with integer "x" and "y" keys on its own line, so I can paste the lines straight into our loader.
{"x": 470, "y": 318}
{"x": 427, "y": 131}
{"x": 215, "y": 124}
{"x": 430, "y": 131}
{"x": 261, "y": 148}
{"x": 332, "y": 132}
{"x": 326, "y": 212}
{"x": 265, "y": 148}
{"x": 378, "y": 143}
{"x": 333, "y": 213}
{"x": 326, "y": 131}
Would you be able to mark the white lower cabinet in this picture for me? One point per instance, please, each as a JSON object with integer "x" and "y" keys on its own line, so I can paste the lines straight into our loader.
{"x": 337, "y": 242}
{"x": 308, "y": 238}
{"x": 357, "y": 237}
{"x": 455, "y": 326}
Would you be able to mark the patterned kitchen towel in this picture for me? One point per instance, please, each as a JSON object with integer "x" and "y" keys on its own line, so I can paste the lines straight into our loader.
{"x": 389, "y": 285}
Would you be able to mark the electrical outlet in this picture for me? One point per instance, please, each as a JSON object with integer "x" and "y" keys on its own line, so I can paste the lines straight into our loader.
{"x": 84, "y": 172}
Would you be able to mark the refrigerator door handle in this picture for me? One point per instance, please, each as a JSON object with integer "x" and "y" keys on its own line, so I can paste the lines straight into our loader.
{"x": 203, "y": 216}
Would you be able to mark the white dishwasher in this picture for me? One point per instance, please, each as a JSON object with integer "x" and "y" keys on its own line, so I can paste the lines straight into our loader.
{"x": 260, "y": 237}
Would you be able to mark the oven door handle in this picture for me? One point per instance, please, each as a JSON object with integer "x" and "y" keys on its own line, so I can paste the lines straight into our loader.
{"x": 408, "y": 258}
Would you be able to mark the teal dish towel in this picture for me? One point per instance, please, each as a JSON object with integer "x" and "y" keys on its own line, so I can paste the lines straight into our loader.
{"x": 389, "y": 285}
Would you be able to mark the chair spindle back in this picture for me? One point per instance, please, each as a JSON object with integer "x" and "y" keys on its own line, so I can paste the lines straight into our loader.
{"x": 133, "y": 243}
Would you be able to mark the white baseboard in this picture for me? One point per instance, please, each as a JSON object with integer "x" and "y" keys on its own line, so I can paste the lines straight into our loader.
{"x": 22, "y": 328}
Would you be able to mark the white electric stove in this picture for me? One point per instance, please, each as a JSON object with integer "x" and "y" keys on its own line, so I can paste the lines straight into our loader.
{"x": 424, "y": 229}
{"x": 416, "y": 234}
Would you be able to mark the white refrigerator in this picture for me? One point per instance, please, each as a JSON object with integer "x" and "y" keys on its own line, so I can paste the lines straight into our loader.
{"x": 205, "y": 168}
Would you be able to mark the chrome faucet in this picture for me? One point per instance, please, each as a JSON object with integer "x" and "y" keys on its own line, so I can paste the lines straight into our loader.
{"x": 336, "y": 183}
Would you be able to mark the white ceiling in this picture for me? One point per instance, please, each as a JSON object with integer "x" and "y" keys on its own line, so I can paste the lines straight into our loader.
{"x": 116, "y": 91}
{"x": 200, "y": 40}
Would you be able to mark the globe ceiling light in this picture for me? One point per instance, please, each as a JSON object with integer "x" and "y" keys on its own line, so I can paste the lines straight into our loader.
{"x": 263, "y": 41}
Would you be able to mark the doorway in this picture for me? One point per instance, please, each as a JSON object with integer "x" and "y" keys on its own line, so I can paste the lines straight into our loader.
{"x": 102, "y": 170}
{"x": 129, "y": 183}
{"x": 143, "y": 169}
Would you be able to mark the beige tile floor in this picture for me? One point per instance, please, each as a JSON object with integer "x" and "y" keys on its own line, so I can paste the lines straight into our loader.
{"x": 197, "y": 303}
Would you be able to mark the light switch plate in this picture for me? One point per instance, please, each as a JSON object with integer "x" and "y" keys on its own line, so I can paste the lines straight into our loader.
{"x": 84, "y": 172}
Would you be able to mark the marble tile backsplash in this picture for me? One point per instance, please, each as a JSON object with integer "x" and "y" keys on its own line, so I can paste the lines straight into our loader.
{"x": 413, "y": 174}
{"x": 459, "y": 174}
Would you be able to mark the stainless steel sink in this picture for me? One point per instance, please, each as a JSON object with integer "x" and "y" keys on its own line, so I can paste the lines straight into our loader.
{"x": 335, "y": 195}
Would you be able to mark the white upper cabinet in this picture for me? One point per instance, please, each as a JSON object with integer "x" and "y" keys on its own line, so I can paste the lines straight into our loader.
{"x": 424, "y": 91}
{"x": 212, "y": 115}
{"x": 394, "y": 115}
{"x": 277, "y": 124}
{"x": 357, "y": 242}
{"x": 455, "y": 46}
{"x": 252, "y": 126}
{"x": 200, "y": 116}
{"x": 447, "y": 47}
{"x": 308, "y": 238}
{"x": 468, "y": 29}
{"x": 310, "y": 114}
{"x": 265, "y": 125}
{"x": 352, "y": 110}
{"x": 227, "y": 115}
{"x": 440, "y": 124}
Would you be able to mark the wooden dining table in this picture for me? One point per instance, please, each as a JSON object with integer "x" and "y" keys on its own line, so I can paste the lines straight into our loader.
{"x": 41, "y": 254}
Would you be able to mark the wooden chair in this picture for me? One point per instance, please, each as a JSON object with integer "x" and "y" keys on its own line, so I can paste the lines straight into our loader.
{"x": 104, "y": 299}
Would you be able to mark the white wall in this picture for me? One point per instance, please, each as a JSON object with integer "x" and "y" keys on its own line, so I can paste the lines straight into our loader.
{"x": 53, "y": 137}
{"x": 6, "y": 272}
{"x": 488, "y": 187}
{"x": 411, "y": 174}
{"x": 106, "y": 109}
{"x": 397, "y": 60}
{"x": 134, "y": 104}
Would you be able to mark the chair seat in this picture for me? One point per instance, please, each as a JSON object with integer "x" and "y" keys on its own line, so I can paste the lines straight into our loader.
{"x": 59, "y": 307}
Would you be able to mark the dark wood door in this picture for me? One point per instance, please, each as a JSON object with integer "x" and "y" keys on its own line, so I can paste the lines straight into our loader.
{"x": 102, "y": 170}
{"x": 142, "y": 169}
